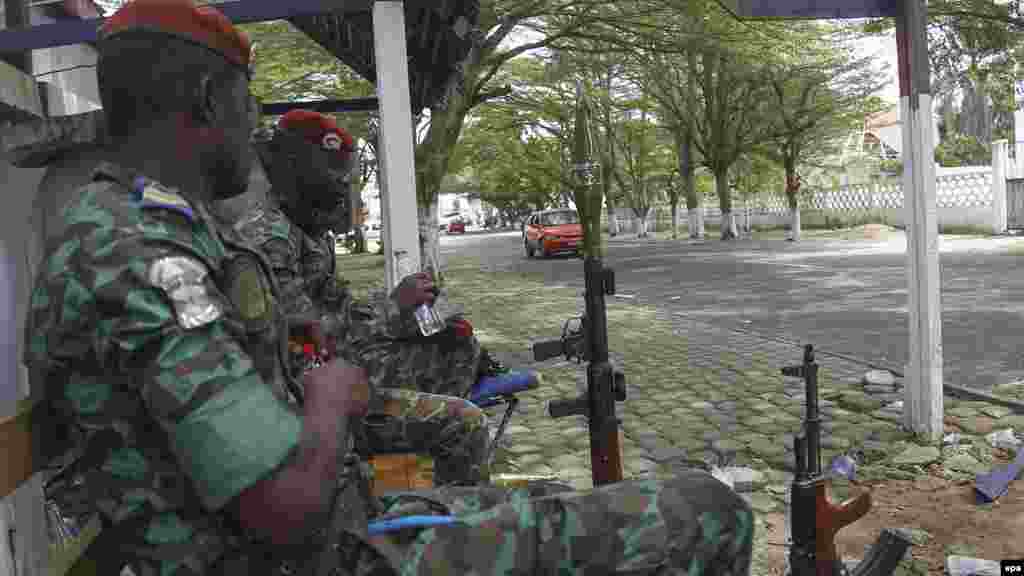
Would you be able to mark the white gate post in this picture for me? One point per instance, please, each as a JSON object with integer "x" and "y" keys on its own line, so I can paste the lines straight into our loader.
{"x": 999, "y": 172}
{"x": 922, "y": 407}
{"x": 397, "y": 174}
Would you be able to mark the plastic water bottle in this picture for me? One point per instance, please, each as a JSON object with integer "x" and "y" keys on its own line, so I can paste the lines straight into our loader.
{"x": 428, "y": 319}
{"x": 311, "y": 359}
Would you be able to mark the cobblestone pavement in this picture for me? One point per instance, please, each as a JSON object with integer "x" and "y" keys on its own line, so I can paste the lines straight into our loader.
{"x": 847, "y": 297}
{"x": 731, "y": 406}
{"x": 738, "y": 313}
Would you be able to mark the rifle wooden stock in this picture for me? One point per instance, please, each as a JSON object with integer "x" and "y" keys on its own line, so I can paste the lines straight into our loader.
{"x": 829, "y": 519}
{"x": 814, "y": 549}
{"x": 606, "y": 462}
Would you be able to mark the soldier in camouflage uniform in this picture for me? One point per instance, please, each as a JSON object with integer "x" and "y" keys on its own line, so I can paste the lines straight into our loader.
{"x": 311, "y": 154}
{"x": 155, "y": 331}
{"x": 308, "y": 160}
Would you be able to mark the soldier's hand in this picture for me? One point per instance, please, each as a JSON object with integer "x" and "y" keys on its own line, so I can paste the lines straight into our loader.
{"x": 338, "y": 387}
{"x": 414, "y": 290}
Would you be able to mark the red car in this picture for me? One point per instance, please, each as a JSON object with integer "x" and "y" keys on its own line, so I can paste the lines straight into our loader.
{"x": 553, "y": 231}
{"x": 457, "y": 227}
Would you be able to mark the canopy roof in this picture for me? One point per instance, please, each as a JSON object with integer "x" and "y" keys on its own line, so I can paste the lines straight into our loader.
{"x": 438, "y": 39}
{"x": 438, "y": 32}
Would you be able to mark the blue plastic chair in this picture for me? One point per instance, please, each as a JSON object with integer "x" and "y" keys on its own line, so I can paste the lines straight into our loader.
{"x": 502, "y": 389}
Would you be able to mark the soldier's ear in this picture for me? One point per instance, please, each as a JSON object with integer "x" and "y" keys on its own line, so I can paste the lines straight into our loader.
{"x": 204, "y": 111}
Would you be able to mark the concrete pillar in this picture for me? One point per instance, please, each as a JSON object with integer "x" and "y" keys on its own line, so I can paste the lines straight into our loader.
{"x": 1018, "y": 138}
{"x": 397, "y": 162}
{"x": 999, "y": 171}
{"x": 922, "y": 407}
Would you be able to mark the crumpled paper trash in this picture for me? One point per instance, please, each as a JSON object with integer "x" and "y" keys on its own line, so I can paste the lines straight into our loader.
{"x": 966, "y": 566}
{"x": 739, "y": 478}
{"x": 951, "y": 439}
{"x": 1004, "y": 439}
{"x": 845, "y": 466}
{"x": 722, "y": 476}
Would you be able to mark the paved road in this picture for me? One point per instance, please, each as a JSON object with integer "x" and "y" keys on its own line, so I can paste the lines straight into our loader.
{"x": 844, "y": 297}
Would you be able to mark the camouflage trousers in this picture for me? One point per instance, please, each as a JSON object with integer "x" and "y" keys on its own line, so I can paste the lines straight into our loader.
{"x": 443, "y": 364}
{"x": 691, "y": 524}
{"x": 452, "y": 430}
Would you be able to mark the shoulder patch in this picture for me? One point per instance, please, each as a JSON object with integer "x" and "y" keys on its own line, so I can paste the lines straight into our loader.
{"x": 249, "y": 290}
{"x": 152, "y": 194}
{"x": 184, "y": 281}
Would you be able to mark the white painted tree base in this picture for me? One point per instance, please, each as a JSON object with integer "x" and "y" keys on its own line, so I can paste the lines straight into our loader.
{"x": 696, "y": 223}
{"x": 729, "y": 224}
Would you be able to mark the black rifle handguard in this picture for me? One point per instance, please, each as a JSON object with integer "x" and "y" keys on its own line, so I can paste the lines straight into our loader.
{"x": 547, "y": 350}
{"x": 568, "y": 407}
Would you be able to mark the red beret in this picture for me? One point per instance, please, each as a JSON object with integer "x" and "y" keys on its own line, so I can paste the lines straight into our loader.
{"x": 203, "y": 25}
{"x": 317, "y": 129}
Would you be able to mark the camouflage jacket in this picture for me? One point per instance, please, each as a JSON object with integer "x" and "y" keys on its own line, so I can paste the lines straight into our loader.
{"x": 304, "y": 269}
{"x": 155, "y": 332}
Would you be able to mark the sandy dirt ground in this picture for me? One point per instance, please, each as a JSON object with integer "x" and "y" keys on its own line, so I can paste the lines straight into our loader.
{"x": 948, "y": 511}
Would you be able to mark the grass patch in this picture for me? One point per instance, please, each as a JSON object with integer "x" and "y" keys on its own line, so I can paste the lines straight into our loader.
{"x": 510, "y": 310}
{"x": 1013, "y": 391}
{"x": 364, "y": 272}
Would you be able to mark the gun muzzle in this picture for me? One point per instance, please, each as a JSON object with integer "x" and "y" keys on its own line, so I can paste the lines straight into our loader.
{"x": 547, "y": 350}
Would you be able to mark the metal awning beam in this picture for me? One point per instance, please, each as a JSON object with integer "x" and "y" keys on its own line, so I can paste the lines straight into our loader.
{"x": 367, "y": 104}
{"x": 238, "y": 11}
{"x": 815, "y": 9}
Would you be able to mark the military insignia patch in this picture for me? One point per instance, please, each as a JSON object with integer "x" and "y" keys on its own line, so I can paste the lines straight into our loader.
{"x": 252, "y": 301}
{"x": 250, "y": 292}
{"x": 152, "y": 194}
{"x": 184, "y": 281}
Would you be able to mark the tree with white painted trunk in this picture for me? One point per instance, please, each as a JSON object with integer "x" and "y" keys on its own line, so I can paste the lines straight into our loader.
{"x": 640, "y": 160}
{"x": 820, "y": 95}
{"x": 753, "y": 176}
{"x": 673, "y": 91}
{"x": 585, "y": 58}
{"x": 730, "y": 120}
{"x": 515, "y": 167}
{"x": 703, "y": 70}
{"x": 484, "y": 79}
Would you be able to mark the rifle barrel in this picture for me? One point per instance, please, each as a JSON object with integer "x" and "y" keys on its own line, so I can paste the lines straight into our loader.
{"x": 813, "y": 418}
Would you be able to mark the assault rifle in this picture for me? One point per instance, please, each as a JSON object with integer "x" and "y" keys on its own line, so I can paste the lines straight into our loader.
{"x": 815, "y": 519}
{"x": 586, "y": 338}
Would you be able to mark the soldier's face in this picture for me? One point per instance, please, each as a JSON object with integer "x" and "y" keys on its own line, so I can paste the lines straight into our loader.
{"x": 304, "y": 173}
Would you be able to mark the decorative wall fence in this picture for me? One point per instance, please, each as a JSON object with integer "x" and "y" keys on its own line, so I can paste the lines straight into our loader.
{"x": 965, "y": 197}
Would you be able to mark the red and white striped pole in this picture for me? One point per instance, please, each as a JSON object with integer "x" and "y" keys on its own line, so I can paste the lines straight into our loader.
{"x": 922, "y": 407}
